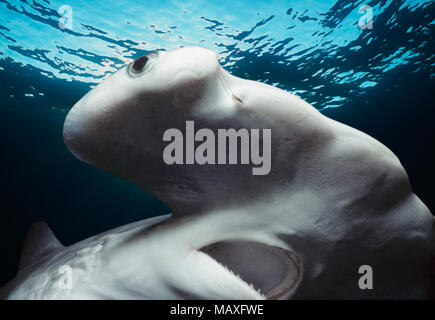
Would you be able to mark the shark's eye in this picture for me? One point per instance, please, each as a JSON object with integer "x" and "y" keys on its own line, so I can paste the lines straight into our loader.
{"x": 142, "y": 64}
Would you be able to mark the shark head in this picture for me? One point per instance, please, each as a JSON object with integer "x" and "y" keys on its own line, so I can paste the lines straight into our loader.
{"x": 332, "y": 200}
{"x": 119, "y": 126}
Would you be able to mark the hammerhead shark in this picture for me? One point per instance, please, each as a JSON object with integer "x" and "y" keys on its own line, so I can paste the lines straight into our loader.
{"x": 333, "y": 201}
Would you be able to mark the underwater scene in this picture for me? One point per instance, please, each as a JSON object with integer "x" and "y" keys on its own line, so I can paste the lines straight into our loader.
{"x": 368, "y": 64}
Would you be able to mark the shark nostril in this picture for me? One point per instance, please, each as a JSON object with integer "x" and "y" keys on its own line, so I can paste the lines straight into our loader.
{"x": 237, "y": 98}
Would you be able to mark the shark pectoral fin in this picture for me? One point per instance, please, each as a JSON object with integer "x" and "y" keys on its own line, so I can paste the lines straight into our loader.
{"x": 39, "y": 241}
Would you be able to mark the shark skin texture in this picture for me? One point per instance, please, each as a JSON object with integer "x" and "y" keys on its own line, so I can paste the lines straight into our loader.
{"x": 335, "y": 199}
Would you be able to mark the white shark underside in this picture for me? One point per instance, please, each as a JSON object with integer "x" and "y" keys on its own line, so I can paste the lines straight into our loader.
{"x": 335, "y": 199}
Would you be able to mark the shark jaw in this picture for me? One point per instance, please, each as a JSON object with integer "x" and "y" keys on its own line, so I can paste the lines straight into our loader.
{"x": 274, "y": 278}
{"x": 211, "y": 259}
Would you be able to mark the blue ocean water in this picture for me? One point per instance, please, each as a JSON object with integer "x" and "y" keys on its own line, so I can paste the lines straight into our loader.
{"x": 378, "y": 78}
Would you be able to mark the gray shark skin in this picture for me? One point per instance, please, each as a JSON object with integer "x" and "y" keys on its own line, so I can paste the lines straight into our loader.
{"x": 334, "y": 200}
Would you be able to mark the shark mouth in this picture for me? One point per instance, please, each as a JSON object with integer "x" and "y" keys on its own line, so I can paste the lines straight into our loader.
{"x": 272, "y": 271}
